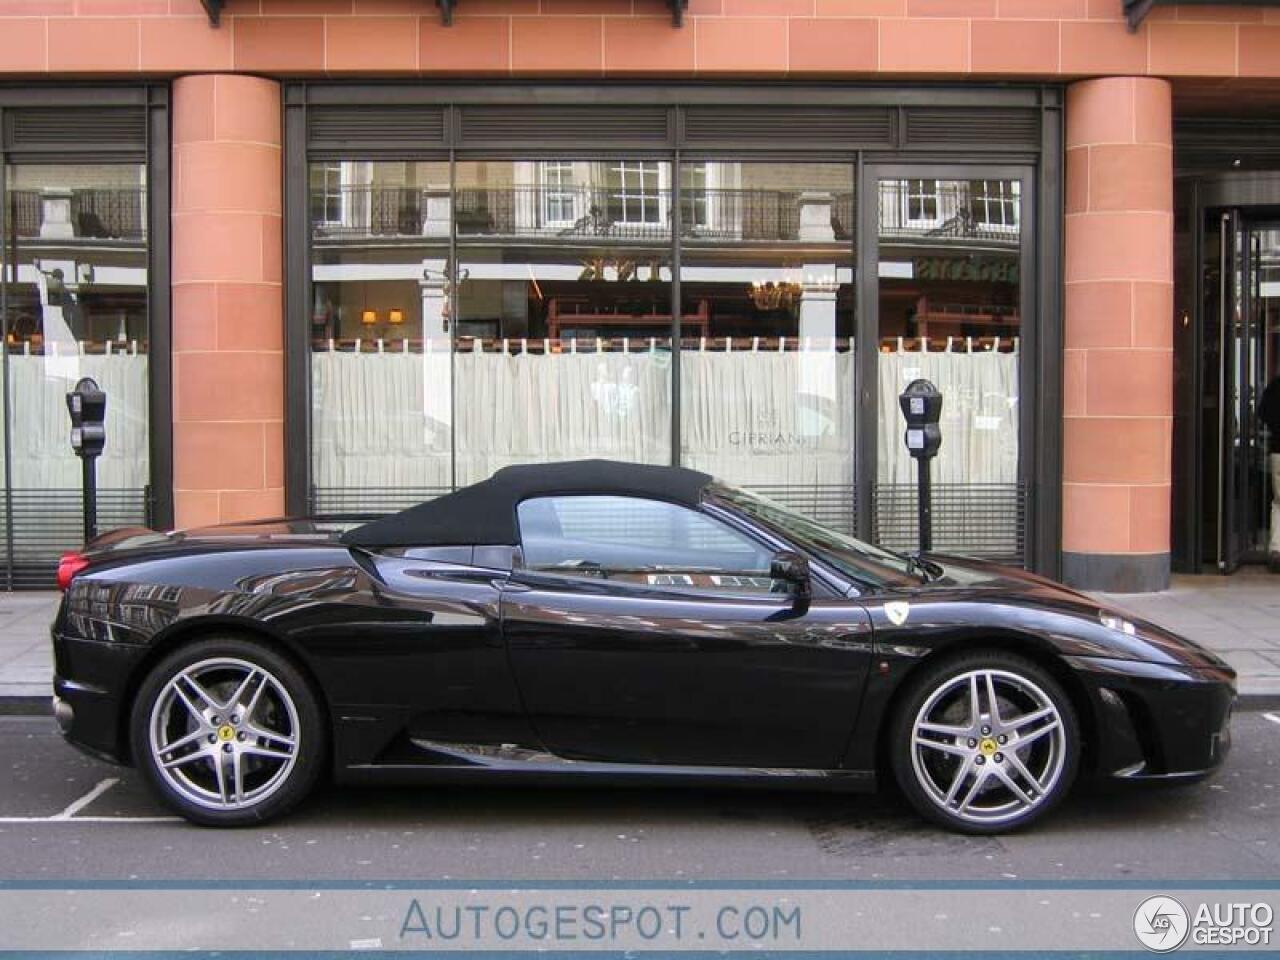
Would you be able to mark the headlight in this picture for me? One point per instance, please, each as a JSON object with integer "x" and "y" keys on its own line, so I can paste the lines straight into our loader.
{"x": 1118, "y": 624}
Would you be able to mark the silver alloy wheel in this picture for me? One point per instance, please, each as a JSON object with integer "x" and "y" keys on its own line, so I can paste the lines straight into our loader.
{"x": 988, "y": 746}
{"x": 224, "y": 733}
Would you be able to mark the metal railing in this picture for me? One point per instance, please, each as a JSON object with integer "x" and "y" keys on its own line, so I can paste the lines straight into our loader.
{"x": 98, "y": 213}
{"x": 987, "y": 520}
{"x": 575, "y": 211}
{"x": 941, "y": 209}
{"x": 44, "y": 524}
{"x": 923, "y": 210}
{"x": 25, "y": 212}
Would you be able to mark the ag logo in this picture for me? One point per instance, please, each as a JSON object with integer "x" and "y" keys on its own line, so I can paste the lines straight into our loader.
{"x": 897, "y": 611}
{"x": 1161, "y": 924}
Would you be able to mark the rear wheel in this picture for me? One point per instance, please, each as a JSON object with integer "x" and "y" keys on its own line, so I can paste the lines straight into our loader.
{"x": 228, "y": 732}
{"x": 985, "y": 743}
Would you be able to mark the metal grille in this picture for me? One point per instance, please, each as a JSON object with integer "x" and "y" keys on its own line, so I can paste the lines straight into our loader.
{"x": 1226, "y": 143}
{"x": 587, "y": 126}
{"x": 833, "y": 505}
{"x": 48, "y": 523}
{"x": 77, "y": 128}
{"x": 987, "y": 520}
{"x": 990, "y": 127}
{"x": 368, "y": 501}
{"x": 374, "y": 126}
{"x": 788, "y": 127}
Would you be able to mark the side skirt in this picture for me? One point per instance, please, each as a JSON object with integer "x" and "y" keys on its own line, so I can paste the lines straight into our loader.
{"x": 476, "y": 763}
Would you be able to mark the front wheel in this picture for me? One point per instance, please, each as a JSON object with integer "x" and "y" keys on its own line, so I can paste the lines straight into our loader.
{"x": 228, "y": 732}
{"x": 985, "y": 743}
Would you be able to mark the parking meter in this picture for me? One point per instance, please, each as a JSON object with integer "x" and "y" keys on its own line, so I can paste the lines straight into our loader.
{"x": 87, "y": 404}
{"x": 921, "y": 404}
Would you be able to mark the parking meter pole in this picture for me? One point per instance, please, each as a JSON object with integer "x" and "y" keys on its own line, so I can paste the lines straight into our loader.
{"x": 87, "y": 405}
{"x": 921, "y": 405}
{"x": 89, "y": 491}
{"x": 924, "y": 503}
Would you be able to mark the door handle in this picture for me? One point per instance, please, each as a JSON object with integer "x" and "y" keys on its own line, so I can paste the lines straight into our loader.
{"x": 510, "y": 586}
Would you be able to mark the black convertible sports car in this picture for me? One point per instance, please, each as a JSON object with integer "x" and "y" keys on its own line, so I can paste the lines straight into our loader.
{"x": 608, "y": 621}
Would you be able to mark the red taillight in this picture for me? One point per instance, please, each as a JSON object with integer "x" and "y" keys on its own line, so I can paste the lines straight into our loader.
{"x": 68, "y": 567}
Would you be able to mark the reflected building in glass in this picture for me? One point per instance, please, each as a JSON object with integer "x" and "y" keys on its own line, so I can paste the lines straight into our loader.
{"x": 522, "y": 310}
{"x": 76, "y": 305}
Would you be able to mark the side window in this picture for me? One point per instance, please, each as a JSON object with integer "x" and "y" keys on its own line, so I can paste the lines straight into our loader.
{"x": 641, "y": 542}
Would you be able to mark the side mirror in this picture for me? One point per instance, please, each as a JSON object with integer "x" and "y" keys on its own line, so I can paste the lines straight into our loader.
{"x": 793, "y": 570}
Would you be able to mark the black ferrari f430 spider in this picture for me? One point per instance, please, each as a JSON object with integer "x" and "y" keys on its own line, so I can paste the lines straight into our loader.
{"x": 610, "y": 622}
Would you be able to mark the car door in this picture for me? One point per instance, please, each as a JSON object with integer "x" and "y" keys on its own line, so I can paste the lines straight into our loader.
{"x": 646, "y": 632}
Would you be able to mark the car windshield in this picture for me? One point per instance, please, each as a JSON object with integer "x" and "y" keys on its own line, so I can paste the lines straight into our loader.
{"x": 858, "y": 560}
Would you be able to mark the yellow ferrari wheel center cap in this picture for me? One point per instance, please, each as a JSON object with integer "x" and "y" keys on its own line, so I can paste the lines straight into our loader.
{"x": 226, "y": 732}
{"x": 988, "y": 746}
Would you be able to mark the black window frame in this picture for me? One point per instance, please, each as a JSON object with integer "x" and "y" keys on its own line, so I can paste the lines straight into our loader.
{"x": 109, "y": 123}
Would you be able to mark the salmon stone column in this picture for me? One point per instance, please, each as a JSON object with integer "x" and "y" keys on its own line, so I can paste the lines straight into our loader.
{"x": 228, "y": 315}
{"x": 1118, "y": 380}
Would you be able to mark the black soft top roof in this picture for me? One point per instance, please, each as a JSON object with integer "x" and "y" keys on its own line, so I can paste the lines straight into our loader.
{"x": 485, "y": 512}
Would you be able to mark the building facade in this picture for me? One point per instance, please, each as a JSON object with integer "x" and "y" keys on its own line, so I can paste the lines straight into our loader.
{"x": 330, "y": 256}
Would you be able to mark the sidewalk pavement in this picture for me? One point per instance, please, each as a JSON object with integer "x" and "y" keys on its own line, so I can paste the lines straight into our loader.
{"x": 1237, "y": 616}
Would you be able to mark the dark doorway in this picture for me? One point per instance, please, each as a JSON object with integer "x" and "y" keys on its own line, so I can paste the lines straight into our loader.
{"x": 1236, "y": 346}
{"x": 1242, "y": 322}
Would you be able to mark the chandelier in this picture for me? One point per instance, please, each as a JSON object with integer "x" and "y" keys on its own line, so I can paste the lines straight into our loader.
{"x": 775, "y": 296}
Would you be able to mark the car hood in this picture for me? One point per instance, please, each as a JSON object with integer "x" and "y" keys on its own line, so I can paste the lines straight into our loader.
{"x": 1105, "y": 629}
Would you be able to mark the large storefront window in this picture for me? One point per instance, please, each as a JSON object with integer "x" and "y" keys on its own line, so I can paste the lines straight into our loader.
{"x": 563, "y": 346}
{"x": 949, "y": 310}
{"x": 75, "y": 305}
{"x": 767, "y": 361}
{"x": 563, "y": 340}
{"x": 514, "y": 311}
{"x": 382, "y": 406}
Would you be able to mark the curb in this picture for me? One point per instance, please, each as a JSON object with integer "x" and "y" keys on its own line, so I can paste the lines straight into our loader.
{"x": 1250, "y": 702}
{"x": 30, "y": 706}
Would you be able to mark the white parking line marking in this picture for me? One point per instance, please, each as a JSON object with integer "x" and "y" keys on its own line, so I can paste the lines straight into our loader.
{"x": 5, "y": 820}
{"x": 75, "y": 807}
{"x": 1273, "y": 717}
{"x": 68, "y": 815}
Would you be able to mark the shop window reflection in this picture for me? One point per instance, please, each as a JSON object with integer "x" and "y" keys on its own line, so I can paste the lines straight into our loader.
{"x": 382, "y": 411}
{"x": 949, "y": 311}
{"x": 767, "y": 368}
{"x": 75, "y": 271}
{"x": 563, "y": 340}
{"x": 551, "y": 337}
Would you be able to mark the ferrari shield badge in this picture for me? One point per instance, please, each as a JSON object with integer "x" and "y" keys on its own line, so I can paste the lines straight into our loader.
{"x": 897, "y": 611}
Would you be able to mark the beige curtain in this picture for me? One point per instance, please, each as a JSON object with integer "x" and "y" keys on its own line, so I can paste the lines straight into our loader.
{"x": 40, "y": 425}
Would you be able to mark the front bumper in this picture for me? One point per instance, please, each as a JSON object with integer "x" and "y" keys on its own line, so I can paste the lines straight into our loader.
{"x": 1157, "y": 722}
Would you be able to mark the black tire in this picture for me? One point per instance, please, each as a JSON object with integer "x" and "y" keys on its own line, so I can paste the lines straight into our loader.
{"x": 923, "y": 772}
{"x": 286, "y": 706}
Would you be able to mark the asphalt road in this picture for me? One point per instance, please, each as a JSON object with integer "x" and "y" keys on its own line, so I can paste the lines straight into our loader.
{"x": 66, "y": 817}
